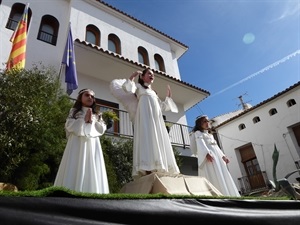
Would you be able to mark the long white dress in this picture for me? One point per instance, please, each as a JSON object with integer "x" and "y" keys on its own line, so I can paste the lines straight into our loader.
{"x": 82, "y": 167}
{"x": 152, "y": 149}
{"x": 216, "y": 172}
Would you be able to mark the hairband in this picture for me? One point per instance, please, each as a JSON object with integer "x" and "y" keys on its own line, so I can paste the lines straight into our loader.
{"x": 85, "y": 90}
{"x": 201, "y": 116}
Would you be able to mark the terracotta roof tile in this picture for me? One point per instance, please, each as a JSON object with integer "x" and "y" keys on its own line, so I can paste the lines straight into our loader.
{"x": 138, "y": 64}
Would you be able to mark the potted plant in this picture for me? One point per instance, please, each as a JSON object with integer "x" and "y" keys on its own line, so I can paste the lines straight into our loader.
{"x": 168, "y": 126}
{"x": 109, "y": 117}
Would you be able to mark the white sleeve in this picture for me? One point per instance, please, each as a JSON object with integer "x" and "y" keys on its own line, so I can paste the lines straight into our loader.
{"x": 123, "y": 90}
{"x": 202, "y": 148}
{"x": 75, "y": 126}
{"x": 169, "y": 105}
{"x": 129, "y": 86}
{"x": 79, "y": 127}
{"x": 94, "y": 129}
{"x": 193, "y": 145}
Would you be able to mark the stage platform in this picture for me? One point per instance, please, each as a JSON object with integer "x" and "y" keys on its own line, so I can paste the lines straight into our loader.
{"x": 171, "y": 184}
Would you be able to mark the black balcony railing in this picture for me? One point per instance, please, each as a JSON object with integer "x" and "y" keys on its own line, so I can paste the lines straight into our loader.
{"x": 11, "y": 24}
{"x": 47, "y": 37}
{"x": 179, "y": 133}
{"x": 254, "y": 183}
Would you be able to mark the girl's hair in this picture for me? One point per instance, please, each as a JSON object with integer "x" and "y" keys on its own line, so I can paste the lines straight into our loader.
{"x": 198, "y": 123}
{"x": 141, "y": 81}
{"x": 78, "y": 104}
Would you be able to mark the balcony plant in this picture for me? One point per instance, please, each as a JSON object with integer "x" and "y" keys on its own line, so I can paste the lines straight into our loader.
{"x": 109, "y": 117}
{"x": 168, "y": 126}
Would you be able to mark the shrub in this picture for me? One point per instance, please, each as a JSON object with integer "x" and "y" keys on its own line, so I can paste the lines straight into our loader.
{"x": 33, "y": 110}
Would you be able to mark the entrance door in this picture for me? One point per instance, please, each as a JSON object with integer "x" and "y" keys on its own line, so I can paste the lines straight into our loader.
{"x": 252, "y": 167}
{"x": 256, "y": 178}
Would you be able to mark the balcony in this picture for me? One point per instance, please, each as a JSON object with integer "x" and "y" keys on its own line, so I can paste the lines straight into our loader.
{"x": 47, "y": 37}
{"x": 179, "y": 133}
{"x": 253, "y": 184}
{"x": 11, "y": 24}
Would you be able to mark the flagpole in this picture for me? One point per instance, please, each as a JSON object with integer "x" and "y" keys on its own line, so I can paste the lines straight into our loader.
{"x": 69, "y": 63}
{"x": 61, "y": 64}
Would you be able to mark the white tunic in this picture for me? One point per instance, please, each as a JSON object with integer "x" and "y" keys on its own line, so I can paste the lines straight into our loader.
{"x": 82, "y": 167}
{"x": 152, "y": 149}
{"x": 216, "y": 172}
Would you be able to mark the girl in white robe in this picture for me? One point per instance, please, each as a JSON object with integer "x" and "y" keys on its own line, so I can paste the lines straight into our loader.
{"x": 211, "y": 160}
{"x": 82, "y": 167}
{"x": 152, "y": 149}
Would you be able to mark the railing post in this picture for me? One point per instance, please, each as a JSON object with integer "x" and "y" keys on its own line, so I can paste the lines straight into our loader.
{"x": 183, "y": 140}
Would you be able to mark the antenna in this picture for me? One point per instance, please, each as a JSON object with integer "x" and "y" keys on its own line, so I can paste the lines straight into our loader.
{"x": 243, "y": 104}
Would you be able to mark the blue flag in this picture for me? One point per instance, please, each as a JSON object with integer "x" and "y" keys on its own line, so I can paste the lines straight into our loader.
{"x": 70, "y": 65}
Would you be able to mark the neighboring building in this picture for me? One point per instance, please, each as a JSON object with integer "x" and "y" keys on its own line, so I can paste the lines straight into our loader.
{"x": 109, "y": 44}
{"x": 248, "y": 137}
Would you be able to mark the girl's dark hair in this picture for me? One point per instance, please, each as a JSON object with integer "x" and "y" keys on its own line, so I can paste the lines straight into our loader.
{"x": 198, "y": 123}
{"x": 140, "y": 80}
{"x": 78, "y": 104}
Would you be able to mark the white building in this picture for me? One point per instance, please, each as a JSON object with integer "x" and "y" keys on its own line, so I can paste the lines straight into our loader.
{"x": 109, "y": 44}
{"x": 248, "y": 137}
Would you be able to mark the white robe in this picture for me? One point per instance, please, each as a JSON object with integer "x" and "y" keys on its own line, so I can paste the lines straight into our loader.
{"x": 152, "y": 149}
{"x": 216, "y": 172}
{"x": 82, "y": 167}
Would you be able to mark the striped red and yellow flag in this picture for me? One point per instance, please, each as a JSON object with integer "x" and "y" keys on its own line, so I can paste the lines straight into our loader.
{"x": 17, "y": 55}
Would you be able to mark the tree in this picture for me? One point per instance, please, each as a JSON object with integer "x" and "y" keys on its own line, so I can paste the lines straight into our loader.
{"x": 33, "y": 110}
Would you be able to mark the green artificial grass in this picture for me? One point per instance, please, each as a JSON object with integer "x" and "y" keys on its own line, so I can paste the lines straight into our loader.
{"x": 64, "y": 192}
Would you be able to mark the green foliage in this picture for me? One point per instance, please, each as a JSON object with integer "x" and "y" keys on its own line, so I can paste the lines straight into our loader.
{"x": 275, "y": 158}
{"x": 33, "y": 109}
{"x": 109, "y": 117}
{"x": 118, "y": 160}
{"x": 109, "y": 114}
{"x": 118, "y": 155}
{"x": 177, "y": 157}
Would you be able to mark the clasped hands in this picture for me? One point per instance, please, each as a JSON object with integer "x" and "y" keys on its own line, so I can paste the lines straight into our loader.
{"x": 88, "y": 116}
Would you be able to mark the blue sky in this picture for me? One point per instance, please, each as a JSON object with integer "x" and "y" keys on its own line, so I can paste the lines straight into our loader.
{"x": 248, "y": 48}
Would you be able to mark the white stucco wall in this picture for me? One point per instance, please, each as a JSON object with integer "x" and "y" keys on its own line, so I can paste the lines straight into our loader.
{"x": 81, "y": 14}
{"x": 131, "y": 36}
{"x": 263, "y": 135}
{"x": 37, "y": 51}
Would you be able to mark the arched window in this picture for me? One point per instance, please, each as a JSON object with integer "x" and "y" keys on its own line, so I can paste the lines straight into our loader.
{"x": 15, "y": 15}
{"x": 272, "y": 111}
{"x": 143, "y": 56}
{"x": 48, "y": 31}
{"x": 291, "y": 102}
{"x": 256, "y": 119}
{"x": 92, "y": 35}
{"x": 159, "y": 63}
{"x": 242, "y": 126}
{"x": 114, "y": 44}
